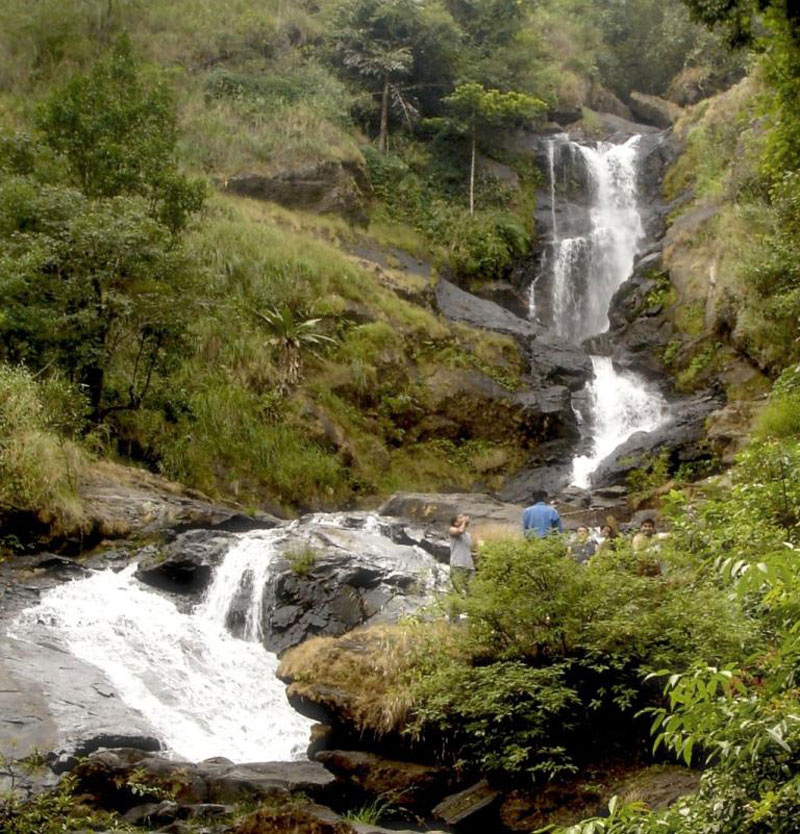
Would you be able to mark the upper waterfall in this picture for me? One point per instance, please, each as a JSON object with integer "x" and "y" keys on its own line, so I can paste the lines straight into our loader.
{"x": 588, "y": 267}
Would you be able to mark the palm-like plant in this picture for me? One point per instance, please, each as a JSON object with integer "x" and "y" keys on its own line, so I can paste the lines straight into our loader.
{"x": 292, "y": 334}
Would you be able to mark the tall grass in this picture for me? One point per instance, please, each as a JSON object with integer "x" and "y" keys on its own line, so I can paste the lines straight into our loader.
{"x": 40, "y": 466}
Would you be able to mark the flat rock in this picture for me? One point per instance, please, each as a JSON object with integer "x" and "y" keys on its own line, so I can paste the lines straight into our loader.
{"x": 106, "y": 775}
{"x": 459, "y": 305}
{"x": 122, "y": 501}
{"x": 439, "y": 508}
{"x": 53, "y": 702}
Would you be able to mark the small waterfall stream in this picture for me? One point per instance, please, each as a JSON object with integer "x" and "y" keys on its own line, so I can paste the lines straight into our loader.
{"x": 205, "y": 692}
{"x": 587, "y": 264}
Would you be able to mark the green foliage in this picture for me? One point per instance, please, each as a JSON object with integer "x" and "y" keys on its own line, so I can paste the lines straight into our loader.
{"x": 394, "y": 48}
{"x": 420, "y": 191}
{"x": 291, "y": 334}
{"x": 505, "y": 717}
{"x": 473, "y": 108}
{"x": 370, "y": 813}
{"x": 644, "y": 481}
{"x": 119, "y": 135}
{"x": 39, "y": 464}
{"x": 54, "y": 812}
{"x": 90, "y": 286}
{"x": 780, "y": 417}
{"x": 301, "y": 561}
{"x": 553, "y": 652}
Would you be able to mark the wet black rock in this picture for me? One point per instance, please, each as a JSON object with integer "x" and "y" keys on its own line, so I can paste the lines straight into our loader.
{"x": 506, "y": 295}
{"x": 186, "y": 564}
{"x": 548, "y": 479}
{"x": 556, "y": 362}
{"x": 334, "y": 578}
{"x": 458, "y": 305}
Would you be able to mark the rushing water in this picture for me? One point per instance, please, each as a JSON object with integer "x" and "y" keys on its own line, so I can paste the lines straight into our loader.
{"x": 587, "y": 266}
{"x": 621, "y": 405}
{"x": 205, "y": 692}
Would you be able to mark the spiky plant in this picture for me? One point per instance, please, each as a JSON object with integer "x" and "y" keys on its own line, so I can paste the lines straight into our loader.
{"x": 292, "y": 334}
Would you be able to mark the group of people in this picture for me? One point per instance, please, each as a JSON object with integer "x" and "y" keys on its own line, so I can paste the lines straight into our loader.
{"x": 539, "y": 520}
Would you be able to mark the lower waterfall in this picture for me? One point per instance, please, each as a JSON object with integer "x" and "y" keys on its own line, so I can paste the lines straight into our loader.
{"x": 621, "y": 405}
{"x": 204, "y": 692}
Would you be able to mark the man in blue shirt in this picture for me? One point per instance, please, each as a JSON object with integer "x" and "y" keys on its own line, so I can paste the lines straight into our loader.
{"x": 540, "y": 519}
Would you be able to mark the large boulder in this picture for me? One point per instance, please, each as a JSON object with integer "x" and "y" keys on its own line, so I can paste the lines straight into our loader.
{"x": 123, "y": 501}
{"x": 556, "y": 362}
{"x": 654, "y": 110}
{"x": 332, "y": 579}
{"x": 327, "y": 675}
{"x": 412, "y": 785}
{"x": 53, "y": 702}
{"x": 185, "y": 565}
{"x": 467, "y": 404}
{"x": 459, "y": 305}
{"x": 601, "y": 99}
{"x": 121, "y": 779}
{"x": 640, "y": 327}
{"x": 337, "y": 187}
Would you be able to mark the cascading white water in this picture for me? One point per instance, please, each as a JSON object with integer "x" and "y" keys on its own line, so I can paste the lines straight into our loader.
{"x": 587, "y": 269}
{"x": 622, "y": 405}
{"x": 205, "y": 692}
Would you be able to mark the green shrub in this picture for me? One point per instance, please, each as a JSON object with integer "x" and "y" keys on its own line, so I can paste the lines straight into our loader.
{"x": 554, "y": 653}
{"x": 780, "y": 417}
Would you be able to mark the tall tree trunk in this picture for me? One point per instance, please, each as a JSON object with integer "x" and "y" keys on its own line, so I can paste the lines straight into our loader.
{"x": 383, "y": 135}
{"x": 472, "y": 177}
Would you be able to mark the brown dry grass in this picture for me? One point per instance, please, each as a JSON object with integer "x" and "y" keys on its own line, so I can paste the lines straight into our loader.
{"x": 368, "y": 670}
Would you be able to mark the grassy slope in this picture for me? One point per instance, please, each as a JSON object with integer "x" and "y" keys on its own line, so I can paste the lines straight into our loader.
{"x": 711, "y": 242}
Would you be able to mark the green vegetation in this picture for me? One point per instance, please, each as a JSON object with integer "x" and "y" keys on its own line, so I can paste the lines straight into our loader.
{"x": 738, "y": 718}
{"x": 234, "y": 346}
{"x": 41, "y": 459}
{"x": 301, "y": 561}
{"x": 51, "y": 812}
{"x": 555, "y": 653}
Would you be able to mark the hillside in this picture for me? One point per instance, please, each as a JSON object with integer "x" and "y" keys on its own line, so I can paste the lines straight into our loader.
{"x": 269, "y": 99}
{"x": 275, "y": 259}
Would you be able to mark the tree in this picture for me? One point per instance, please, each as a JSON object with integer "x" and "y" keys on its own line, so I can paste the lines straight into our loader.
{"x": 390, "y": 45}
{"x": 475, "y": 110}
{"x": 90, "y": 286}
{"x": 739, "y": 17}
{"x": 118, "y": 134}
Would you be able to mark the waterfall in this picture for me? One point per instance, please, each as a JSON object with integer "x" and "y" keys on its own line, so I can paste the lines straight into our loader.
{"x": 205, "y": 692}
{"x": 621, "y": 405}
{"x": 587, "y": 265}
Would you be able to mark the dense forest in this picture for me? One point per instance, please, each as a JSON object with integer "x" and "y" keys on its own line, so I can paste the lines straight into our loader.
{"x": 154, "y": 313}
